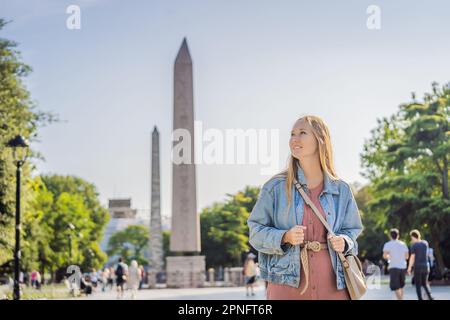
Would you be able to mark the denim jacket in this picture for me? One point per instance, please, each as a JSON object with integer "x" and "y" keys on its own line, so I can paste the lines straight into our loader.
{"x": 271, "y": 218}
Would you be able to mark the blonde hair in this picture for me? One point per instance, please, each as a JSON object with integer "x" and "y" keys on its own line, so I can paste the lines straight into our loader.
{"x": 322, "y": 134}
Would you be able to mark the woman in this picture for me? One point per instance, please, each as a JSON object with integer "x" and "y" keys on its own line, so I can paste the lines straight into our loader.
{"x": 134, "y": 277}
{"x": 249, "y": 271}
{"x": 33, "y": 278}
{"x": 296, "y": 256}
{"x": 142, "y": 270}
{"x": 105, "y": 278}
{"x": 111, "y": 278}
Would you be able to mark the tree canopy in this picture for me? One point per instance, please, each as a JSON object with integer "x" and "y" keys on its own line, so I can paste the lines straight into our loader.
{"x": 406, "y": 161}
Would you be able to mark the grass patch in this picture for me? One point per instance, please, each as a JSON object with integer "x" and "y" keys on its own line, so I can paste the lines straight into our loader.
{"x": 52, "y": 291}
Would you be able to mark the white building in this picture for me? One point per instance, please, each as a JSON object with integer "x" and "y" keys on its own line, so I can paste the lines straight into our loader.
{"x": 121, "y": 216}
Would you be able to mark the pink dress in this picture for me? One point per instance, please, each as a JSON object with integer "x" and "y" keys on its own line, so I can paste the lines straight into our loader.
{"x": 322, "y": 278}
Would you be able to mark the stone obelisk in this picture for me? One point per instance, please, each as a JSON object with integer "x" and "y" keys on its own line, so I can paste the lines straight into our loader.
{"x": 156, "y": 245}
{"x": 188, "y": 270}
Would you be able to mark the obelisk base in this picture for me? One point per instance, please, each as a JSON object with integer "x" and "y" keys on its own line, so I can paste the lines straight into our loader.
{"x": 185, "y": 271}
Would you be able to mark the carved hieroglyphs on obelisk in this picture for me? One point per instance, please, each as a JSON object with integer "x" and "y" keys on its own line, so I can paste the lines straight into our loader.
{"x": 156, "y": 242}
{"x": 188, "y": 270}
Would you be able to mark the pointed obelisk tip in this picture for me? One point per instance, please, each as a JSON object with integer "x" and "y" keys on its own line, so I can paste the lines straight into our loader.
{"x": 184, "y": 45}
{"x": 155, "y": 130}
{"x": 183, "y": 55}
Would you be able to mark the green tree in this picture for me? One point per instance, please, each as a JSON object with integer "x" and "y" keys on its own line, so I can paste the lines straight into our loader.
{"x": 63, "y": 225}
{"x": 166, "y": 246}
{"x": 35, "y": 243}
{"x": 130, "y": 243}
{"x": 224, "y": 230}
{"x": 18, "y": 115}
{"x": 98, "y": 215}
{"x": 374, "y": 235}
{"x": 406, "y": 161}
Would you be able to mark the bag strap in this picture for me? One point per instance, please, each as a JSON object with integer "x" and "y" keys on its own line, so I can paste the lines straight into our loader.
{"x": 318, "y": 214}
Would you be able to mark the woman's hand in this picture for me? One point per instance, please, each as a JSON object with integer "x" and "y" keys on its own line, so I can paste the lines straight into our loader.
{"x": 337, "y": 243}
{"x": 295, "y": 235}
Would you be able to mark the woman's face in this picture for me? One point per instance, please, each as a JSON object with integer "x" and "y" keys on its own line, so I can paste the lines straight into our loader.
{"x": 302, "y": 143}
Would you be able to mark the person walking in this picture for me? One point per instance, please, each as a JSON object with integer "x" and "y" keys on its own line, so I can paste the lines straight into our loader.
{"x": 38, "y": 280}
{"x": 33, "y": 279}
{"x": 121, "y": 273}
{"x": 94, "y": 278}
{"x": 134, "y": 278}
{"x": 432, "y": 263}
{"x": 419, "y": 260}
{"x": 249, "y": 271}
{"x": 396, "y": 253}
{"x": 111, "y": 276}
{"x": 296, "y": 255}
{"x": 141, "y": 283}
{"x": 105, "y": 277}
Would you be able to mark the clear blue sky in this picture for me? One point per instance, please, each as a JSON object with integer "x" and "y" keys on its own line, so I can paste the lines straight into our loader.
{"x": 257, "y": 64}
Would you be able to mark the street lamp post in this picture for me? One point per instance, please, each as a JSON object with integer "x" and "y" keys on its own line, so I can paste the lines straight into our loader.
{"x": 19, "y": 146}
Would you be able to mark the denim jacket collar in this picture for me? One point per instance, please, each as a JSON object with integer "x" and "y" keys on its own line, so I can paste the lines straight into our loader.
{"x": 329, "y": 186}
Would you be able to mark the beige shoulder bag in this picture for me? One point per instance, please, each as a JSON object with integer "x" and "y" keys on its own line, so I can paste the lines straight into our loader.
{"x": 354, "y": 277}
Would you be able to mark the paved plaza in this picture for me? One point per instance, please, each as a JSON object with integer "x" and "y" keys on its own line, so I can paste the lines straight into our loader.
{"x": 238, "y": 293}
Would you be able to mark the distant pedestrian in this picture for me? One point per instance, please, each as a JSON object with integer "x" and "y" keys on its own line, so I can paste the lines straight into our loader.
{"x": 94, "y": 277}
{"x": 141, "y": 283}
{"x": 396, "y": 253}
{"x": 365, "y": 265}
{"x": 418, "y": 260}
{"x": 432, "y": 263}
{"x": 121, "y": 273}
{"x": 134, "y": 278}
{"x": 38, "y": 280}
{"x": 105, "y": 277}
{"x": 111, "y": 275}
{"x": 33, "y": 279}
{"x": 250, "y": 273}
{"x": 86, "y": 285}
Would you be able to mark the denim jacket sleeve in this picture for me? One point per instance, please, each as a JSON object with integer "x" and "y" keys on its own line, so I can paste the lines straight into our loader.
{"x": 351, "y": 226}
{"x": 264, "y": 237}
